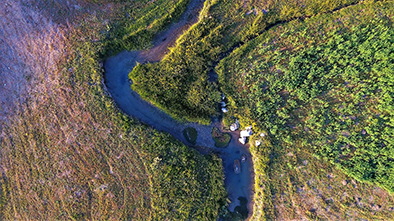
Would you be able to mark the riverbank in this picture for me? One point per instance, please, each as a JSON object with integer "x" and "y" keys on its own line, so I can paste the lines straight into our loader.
{"x": 118, "y": 85}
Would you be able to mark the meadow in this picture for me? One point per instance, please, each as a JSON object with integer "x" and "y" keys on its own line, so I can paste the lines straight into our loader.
{"x": 315, "y": 78}
{"x": 321, "y": 88}
{"x": 184, "y": 84}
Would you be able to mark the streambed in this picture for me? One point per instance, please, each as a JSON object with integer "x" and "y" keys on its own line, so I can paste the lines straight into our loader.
{"x": 118, "y": 85}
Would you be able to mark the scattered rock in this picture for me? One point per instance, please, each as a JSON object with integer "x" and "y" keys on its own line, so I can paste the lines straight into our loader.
{"x": 242, "y": 140}
{"x": 344, "y": 182}
{"x": 234, "y": 126}
{"x": 243, "y": 158}
{"x": 376, "y": 207}
{"x": 246, "y": 133}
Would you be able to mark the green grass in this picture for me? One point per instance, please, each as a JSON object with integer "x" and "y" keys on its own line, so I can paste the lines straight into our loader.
{"x": 182, "y": 88}
{"x": 225, "y": 25}
{"x": 190, "y": 134}
{"x": 221, "y": 139}
{"x": 72, "y": 155}
{"x": 318, "y": 86}
{"x": 144, "y": 20}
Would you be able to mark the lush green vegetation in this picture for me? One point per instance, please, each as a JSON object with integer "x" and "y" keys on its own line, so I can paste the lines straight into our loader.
{"x": 320, "y": 88}
{"x": 187, "y": 185}
{"x": 323, "y": 87}
{"x": 143, "y": 21}
{"x": 72, "y": 155}
{"x": 190, "y": 135}
{"x": 227, "y": 25}
{"x": 180, "y": 85}
{"x": 221, "y": 139}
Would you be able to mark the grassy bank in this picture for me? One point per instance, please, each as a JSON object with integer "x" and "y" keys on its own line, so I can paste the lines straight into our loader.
{"x": 320, "y": 87}
{"x": 72, "y": 155}
{"x": 142, "y": 22}
{"x": 183, "y": 84}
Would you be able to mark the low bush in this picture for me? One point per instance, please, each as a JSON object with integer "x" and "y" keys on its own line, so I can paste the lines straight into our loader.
{"x": 190, "y": 135}
{"x": 221, "y": 139}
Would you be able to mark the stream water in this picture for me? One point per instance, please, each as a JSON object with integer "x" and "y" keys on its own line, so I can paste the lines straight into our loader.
{"x": 117, "y": 68}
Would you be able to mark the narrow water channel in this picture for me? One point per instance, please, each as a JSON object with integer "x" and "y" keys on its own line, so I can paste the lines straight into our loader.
{"x": 117, "y": 68}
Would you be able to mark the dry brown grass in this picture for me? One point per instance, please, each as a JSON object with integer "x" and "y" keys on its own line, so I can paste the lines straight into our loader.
{"x": 62, "y": 157}
{"x": 25, "y": 35}
{"x": 62, "y": 160}
{"x": 305, "y": 187}
{"x": 66, "y": 150}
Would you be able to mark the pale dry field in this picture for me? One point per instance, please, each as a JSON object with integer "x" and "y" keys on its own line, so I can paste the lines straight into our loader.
{"x": 31, "y": 46}
{"x": 59, "y": 158}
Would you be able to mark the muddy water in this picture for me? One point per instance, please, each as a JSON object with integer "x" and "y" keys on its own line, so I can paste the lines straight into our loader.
{"x": 117, "y": 69}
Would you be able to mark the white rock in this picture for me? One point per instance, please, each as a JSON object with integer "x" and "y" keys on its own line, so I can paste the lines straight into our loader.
{"x": 224, "y": 110}
{"x": 223, "y": 104}
{"x": 233, "y": 127}
{"x": 257, "y": 143}
{"x": 242, "y": 140}
{"x": 262, "y": 135}
{"x": 246, "y": 133}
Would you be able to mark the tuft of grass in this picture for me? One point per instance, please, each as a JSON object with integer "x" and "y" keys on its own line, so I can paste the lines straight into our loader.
{"x": 221, "y": 139}
{"x": 241, "y": 211}
{"x": 190, "y": 134}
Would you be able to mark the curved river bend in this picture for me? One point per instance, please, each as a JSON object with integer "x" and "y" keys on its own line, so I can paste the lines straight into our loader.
{"x": 117, "y": 69}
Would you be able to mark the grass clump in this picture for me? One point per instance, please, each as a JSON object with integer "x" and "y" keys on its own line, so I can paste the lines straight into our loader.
{"x": 190, "y": 135}
{"x": 221, "y": 139}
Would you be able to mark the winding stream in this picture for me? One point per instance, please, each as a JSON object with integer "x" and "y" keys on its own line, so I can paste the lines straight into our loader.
{"x": 117, "y": 69}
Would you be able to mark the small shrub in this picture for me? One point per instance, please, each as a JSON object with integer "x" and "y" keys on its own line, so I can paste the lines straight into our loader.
{"x": 221, "y": 139}
{"x": 190, "y": 134}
